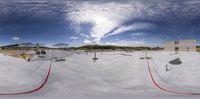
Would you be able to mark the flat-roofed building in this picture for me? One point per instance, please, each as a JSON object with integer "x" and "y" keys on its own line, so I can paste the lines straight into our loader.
{"x": 181, "y": 45}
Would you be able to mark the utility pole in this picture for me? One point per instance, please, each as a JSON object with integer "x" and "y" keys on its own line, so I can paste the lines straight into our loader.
{"x": 38, "y": 46}
{"x": 68, "y": 44}
{"x": 95, "y": 56}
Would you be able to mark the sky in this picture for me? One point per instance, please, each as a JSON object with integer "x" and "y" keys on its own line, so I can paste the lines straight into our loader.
{"x": 106, "y": 22}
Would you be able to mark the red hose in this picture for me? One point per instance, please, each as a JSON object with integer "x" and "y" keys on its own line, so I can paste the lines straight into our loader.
{"x": 164, "y": 89}
{"x": 33, "y": 90}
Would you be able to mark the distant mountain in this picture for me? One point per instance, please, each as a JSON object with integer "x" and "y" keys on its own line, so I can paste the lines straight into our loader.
{"x": 28, "y": 44}
{"x": 61, "y": 44}
{"x": 25, "y": 44}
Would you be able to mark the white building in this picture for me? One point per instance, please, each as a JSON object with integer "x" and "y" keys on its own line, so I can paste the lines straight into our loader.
{"x": 181, "y": 45}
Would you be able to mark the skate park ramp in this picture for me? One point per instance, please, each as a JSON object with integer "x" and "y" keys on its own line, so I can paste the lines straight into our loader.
{"x": 181, "y": 77}
{"x": 57, "y": 55}
{"x": 113, "y": 75}
{"x": 17, "y": 75}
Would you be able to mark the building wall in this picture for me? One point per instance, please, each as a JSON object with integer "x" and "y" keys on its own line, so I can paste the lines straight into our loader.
{"x": 181, "y": 45}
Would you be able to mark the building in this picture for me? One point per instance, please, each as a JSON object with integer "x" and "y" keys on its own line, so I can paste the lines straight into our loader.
{"x": 24, "y": 46}
{"x": 181, "y": 45}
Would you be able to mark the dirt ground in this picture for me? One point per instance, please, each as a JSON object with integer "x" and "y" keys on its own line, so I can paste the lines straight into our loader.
{"x": 15, "y": 53}
{"x": 198, "y": 49}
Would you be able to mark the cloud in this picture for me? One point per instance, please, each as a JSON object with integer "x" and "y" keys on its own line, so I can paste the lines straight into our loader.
{"x": 15, "y": 38}
{"x": 73, "y": 38}
{"x": 82, "y": 34}
{"x": 107, "y": 16}
{"x": 86, "y": 41}
{"x": 104, "y": 17}
{"x": 133, "y": 27}
{"x": 138, "y": 34}
{"x": 126, "y": 43}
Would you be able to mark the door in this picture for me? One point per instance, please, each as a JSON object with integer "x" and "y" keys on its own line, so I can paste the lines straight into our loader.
{"x": 176, "y": 48}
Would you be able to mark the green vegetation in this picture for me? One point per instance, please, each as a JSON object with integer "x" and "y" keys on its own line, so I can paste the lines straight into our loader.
{"x": 17, "y": 47}
{"x": 110, "y": 47}
{"x": 198, "y": 48}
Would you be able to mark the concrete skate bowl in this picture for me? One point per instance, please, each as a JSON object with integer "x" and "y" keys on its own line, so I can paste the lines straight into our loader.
{"x": 21, "y": 77}
{"x": 57, "y": 55}
{"x": 182, "y": 78}
{"x": 124, "y": 72}
{"x": 123, "y": 53}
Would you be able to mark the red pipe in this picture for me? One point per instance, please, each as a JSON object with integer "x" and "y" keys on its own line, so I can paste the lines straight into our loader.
{"x": 33, "y": 90}
{"x": 164, "y": 89}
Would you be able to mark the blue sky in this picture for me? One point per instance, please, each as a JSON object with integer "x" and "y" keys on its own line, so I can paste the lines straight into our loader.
{"x": 108, "y": 22}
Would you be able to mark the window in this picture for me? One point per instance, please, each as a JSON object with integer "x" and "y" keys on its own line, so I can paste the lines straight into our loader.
{"x": 188, "y": 49}
{"x": 176, "y": 48}
{"x": 176, "y": 42}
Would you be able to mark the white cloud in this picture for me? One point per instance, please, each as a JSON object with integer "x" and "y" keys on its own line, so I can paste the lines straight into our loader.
{"x": 138, "y": 34}
{"x": 73, "y": 37}
{"x": 133, "y": 27}
{"x": 15, "y": 38}
{"x": 107, "y": 16}
{"x": 86, "y": 41}
{"x": 82, "y": 34}
{"x": 104, "y": 17}
{"x": 126, "y": 43}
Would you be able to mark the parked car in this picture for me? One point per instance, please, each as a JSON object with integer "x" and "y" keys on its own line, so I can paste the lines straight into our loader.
{"x": 43, "y": 52}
